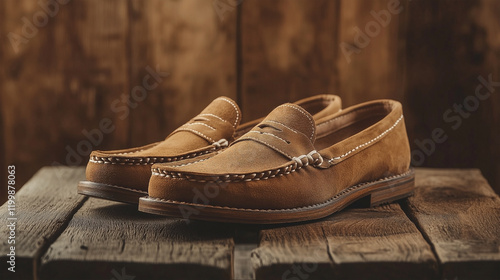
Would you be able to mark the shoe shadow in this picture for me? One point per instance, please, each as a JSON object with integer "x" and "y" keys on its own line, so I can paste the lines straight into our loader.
{"x": 160, "y": 227}
{"x": 121, "y": 211}
{"x": 189, "y": 230}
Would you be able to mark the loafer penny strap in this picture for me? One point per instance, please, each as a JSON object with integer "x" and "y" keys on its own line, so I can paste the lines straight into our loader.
{"x": 279, "y": 137}
{"x": 210, "y": 127}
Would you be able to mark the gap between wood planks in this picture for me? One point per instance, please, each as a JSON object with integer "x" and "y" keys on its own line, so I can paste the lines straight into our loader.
{"x": 413, "y": 219}
{"x": 246, "y": 239}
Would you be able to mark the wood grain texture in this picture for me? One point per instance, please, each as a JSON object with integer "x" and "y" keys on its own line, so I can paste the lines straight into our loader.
{"x": 378, "y": 243}
{"x": 371, "y": 50}
{"x": 3, "y": 164}
{"x": 490, "y": 23}
{"x": 104, "y": 236}
{"x": 288, "y": 52}
{"x": 61, "y": 81}
{"x": 460, "y": 214}
{"x": 188, "y": 40}
{"x": 452, "y": 44}
{"x": 43, "y": 208}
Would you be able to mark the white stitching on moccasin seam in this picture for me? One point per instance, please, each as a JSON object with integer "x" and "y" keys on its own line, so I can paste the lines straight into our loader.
{"x": 309, "y": 158}
{"x": 310, "y": 120}
{"x": 283, "y": 125}
{"x": 215, "y": 116}
{"x": 369, "y": 142}
{"x": 185, "y": 164}
{"x": 145, "y": 160}
{"x": 267, "y": 133}
{"x": 204, "y": 124}
{"x": 127, "y": 153}
{"x": 197, "y": 133}
{"x": 230, "y": 177}
{"x": 235, "y": 109}
{"x": 296, "y": 165}
{"x": 345, "y": 191}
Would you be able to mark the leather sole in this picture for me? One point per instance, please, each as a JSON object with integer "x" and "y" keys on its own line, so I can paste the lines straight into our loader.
{"x": 379, "y": 192}
{"x": 110, "y": 192}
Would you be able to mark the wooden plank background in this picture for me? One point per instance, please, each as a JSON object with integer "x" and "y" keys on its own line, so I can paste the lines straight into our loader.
{"x": 84, "y": 64}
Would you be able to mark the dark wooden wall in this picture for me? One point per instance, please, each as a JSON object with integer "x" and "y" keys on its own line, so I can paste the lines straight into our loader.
{"x": 79, "y": 65}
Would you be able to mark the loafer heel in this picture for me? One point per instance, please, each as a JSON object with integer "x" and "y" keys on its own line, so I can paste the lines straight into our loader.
{"x": 110, "y": 192}
{"x": 394, "y": 189}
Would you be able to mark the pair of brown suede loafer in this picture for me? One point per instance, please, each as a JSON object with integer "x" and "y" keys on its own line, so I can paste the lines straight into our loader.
{"x": 304, "y": 161}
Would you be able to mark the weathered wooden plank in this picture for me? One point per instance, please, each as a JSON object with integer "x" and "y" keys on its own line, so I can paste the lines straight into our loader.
{"x": 460, "y": 214}
{"x": 105, "y": 238}
{"x": 378, "y": 243}
{"x": 371, "y": 50}
{"x": 43, "y": 208}
{"x": 66, "y": 68}
{"x": 288, "y": 51}
{"x": 197, "y": 48}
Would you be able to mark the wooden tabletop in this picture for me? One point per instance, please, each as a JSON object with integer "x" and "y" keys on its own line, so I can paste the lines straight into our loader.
{"x": 450, "y": 229}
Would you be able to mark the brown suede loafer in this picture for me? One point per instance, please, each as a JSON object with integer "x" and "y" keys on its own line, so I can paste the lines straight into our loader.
{"x": 289, "y": 168}
{"x": 123, "y": 175}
